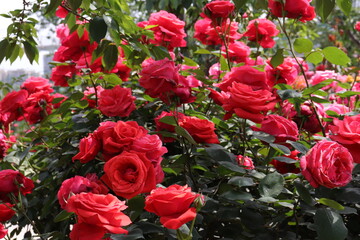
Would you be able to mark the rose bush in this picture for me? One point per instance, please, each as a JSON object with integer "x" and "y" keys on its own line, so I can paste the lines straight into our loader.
{"x": 183, "y": 120}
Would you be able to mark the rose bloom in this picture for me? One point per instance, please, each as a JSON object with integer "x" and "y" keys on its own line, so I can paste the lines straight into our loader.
{"x": 248, "y": 75}
{"x": 238, "y": 52}
{"x": 284, "y": 73}
{"x": 100, "y": 211}
{"x": 37, "y": 106}
{"x": 321, "y": 76}
{"x": 281, "y": 128}
{"x": 56, "y": 97}
{"x": 79, "y": 184}
{"x": 347, "y": 133}
{"x": 3, "y": 231}
{"x": 129, "y": 174}
{"x": 298, "y": 9}
{"x": 11, "y": 103}
{"x": 245, "y": 162}
{"x": 160, "y": 126}
{"x": 60, "y": 74}
{"x": 283, "y": 167}
{"x": 247, "y": 103}
{"x": 117, "y": 137}
{"x": 89, "y": 95}
{"x": 6, "y": 212}
{"x": 89, "y": 147}
{"x": 202, "y": 130}
{"x": 172, "y": 205}
{"x": 4, "y": 144}
{"x": 357, "y": 26}
{"x": 328, "y": 164}
{"x": 219, "y": 9}
{"x": 168, "y": 31}
{"x": 159, "y": 77}
{"x": 10, "y": 180}
{"x": 207, "y": 34}
{"x": 36, "y": 84}
{"x": 261, "y": 31}
{"x": 116, "y": 102}
{"x": 340, "y": 109}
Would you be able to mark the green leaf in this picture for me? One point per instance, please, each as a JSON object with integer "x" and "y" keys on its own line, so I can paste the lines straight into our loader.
{"x": 316, "y": 87}
{"x": 190, "y": 62}
{"x": 345, "y": 6}
{"x": 63, "y": 215}
{"x": 288, "y": 93}
{"x": 324, "y": 8}
{"x": 184, "y": 133}
{"x": 298, "y": 146}
{"x": 3, "y": 46}
{"x": 347, "y": 94}
{"x": 304, "y": 193}
{"x": 110, "y": 57}
{"x": 218, "y": 153}
{"x": 169, "y": 120}
{"x": 98, "y": 29}
{"x": 329, "y": 225}
{"x": 237, "y": 195}
{"x": 159, "y": 52}
{"x": 278, "y": 58}
{"x": 74, "y": 4}
{"x": 336, "y": 56}
{"x": 241, "y": 181}
{"x": 202, "y": 51}
{"x": 31, "y": 51}
{"x": 285, "y": 159}
{"x": 232, "y": 166}
{"x": 315, "y": 57}
{"x": 272, "y": 185}
{"x": 331, "y": 203}
{"x": 54, "y": 4}
{"x": 240, "y": 3}
{"x": 302, "y": 45}
{"x": 112, "y": 79}
{"x": 281, "y": 148}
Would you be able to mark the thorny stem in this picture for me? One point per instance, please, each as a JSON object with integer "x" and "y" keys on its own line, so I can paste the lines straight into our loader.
{"x": 282, "y": 26}
{"x": 91, "y": 79}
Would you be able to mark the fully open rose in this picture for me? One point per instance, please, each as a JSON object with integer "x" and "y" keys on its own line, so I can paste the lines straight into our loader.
{"x": 327, "y": 164}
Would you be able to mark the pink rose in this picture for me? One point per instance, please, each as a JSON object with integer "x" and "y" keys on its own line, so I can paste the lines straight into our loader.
{"x": 36, "y": 84}
{"x": 172, "y": 205}
{"x": 347, "y": 133}
{"x": 5, "y": 144}
{"x": 284, "y": 73}
{"x": 328, "y": 164}
{"x": 297, "y": 9}
{"x": 246, "y": 162}
{"x": 79, "y": 184}
{"x": 262, "y": 31}
{"x": 281, "y": 128}
{"x": 90, "y": 95}
{"x": 116, "y": 102}
{"x": 238, "y": 51}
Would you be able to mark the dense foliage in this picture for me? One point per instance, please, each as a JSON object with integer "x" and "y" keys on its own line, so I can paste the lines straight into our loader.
{"x": 184, "y": 120}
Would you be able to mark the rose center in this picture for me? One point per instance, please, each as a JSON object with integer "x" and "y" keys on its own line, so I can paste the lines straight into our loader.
{"x": 130, "y": 175}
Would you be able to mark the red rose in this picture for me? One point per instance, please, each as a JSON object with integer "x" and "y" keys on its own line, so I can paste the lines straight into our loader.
{"x": 249, "y": 104}
{"x": 328, "y": 164}
{"x": 159, "y": 77}
{"x": 116, "y": 102}
{"x": 6, "y": 212}
{"x": 4, "y": 144}
{"x": 297, "y": 9}
{"x": 60, "y": 74}
{"x": 172, "y": 205}
{"x": 119, "y": 136}
{"x": 219, "y": 9}
{"x": 160, "y": 126}
{"x": 207, "y": 34}
{"x": 284, "y": 167}
{"x": 89, "y": 147}
{"x": 89, "y": 95}
{"x": 347, "y": 133}
{"x": 10, "y": 181}
{"x": 202, "y": 130}
{"x": 11, "y": 103}
{"x": 36, "y": 84}
{"x": 246, "y": 162}
{"x": 262, "y": 31}
{"x": 100, "y": 211}
{"x": 129, "y": 174}
{"x": 3, "y": 231}
{"x": 248, "y": 75}
{"x": 79, "y": 184}
{"x": 284, "y": 73}
{"x": 37, "y": 106}
{"x": 237, "y": 51}
{"x": 281, "y": 128}
{"x": 168, "y": 31}
{"x": 357, "y": 26}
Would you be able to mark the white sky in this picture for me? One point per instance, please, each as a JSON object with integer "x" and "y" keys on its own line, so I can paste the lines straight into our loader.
{"x": 4, "y": 23}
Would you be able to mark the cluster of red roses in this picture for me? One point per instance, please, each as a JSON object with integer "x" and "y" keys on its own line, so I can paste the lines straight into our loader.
{"x": 75, "y": 53}
{"x": 32, "y": 103}
{"x": 13, "y": 183}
